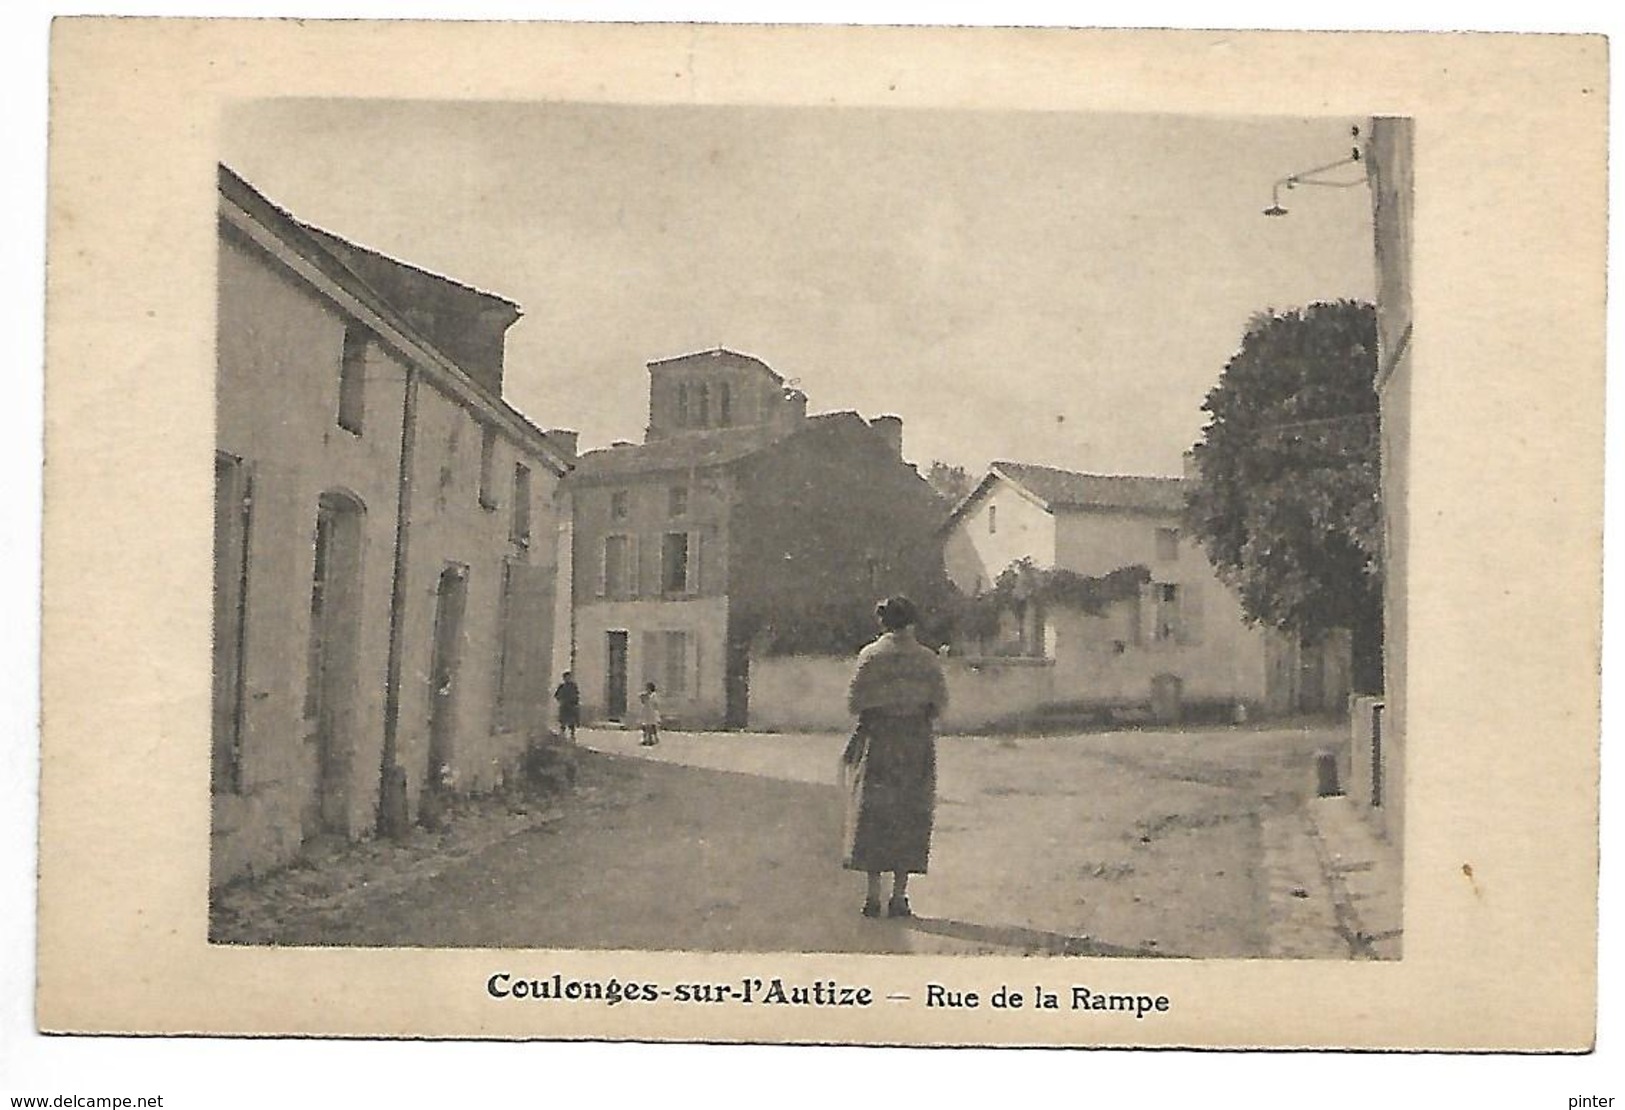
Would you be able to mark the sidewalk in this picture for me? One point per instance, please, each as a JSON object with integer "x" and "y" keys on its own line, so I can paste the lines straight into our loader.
{"x": 1365, "y": 875}
{"x": 1335, "y": 887}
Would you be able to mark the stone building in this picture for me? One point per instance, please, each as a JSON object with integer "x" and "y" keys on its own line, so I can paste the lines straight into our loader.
{"x": 738, "y": 519}
{"x": 385, "y": 540}
{"x": 1182, "y": 640}
{"x": 1378, "y": 777}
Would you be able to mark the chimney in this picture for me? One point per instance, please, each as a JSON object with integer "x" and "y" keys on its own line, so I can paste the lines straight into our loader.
{"x": 891, "y": 430}
{"x": 565, "y": 439}
{"x": 795, "y": 406}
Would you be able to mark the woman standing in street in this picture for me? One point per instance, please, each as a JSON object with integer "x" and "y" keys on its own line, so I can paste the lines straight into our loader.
{"x": 891, "y": 762}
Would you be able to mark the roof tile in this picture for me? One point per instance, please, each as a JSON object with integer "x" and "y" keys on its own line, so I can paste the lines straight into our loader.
{"x": 1070, "y": 489}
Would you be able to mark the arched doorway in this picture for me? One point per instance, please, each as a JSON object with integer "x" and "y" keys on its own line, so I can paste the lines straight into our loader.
{"x": 331, "y": 685}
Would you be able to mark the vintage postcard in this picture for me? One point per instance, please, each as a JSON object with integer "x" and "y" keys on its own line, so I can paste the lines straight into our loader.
{"x": 859, "y": 535}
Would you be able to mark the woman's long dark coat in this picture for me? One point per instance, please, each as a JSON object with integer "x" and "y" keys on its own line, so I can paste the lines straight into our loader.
{"x": 891, "y": 763}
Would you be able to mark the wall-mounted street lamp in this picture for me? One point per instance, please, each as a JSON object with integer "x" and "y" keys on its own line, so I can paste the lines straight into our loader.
{"x": 1315, "y": 177}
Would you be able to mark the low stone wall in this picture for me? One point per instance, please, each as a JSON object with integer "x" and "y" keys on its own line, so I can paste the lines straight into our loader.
{"x": 808, "y": 693}
{"x": 982, "y": 692}
{"x": 799, "y": 693}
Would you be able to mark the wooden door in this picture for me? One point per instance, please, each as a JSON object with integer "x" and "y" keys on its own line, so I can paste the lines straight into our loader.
{"x": 331, "y": 681}
{"x": 615, "y": 675}
{"x": 451, "y": 599}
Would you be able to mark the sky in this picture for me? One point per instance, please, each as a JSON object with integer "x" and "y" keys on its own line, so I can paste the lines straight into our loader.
{"x": 1054, "y": 288}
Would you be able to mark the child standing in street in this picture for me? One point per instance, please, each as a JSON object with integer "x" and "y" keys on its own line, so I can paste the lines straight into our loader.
{"x": 649, "y": 715}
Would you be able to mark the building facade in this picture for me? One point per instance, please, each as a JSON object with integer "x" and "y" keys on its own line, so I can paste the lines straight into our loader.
{"x": 386, "y": 541}
{"x": 1181, "y": 640}
{"x": 1379, "y": 775}
{"x": 740, "y": 519}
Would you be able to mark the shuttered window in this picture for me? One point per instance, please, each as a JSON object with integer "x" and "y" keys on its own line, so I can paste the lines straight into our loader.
{"x": 615, "y": 579}
{"x": 674, "y": 563}
{"x": 1167, "y": 544}
{"x": 653, "y": 652}
{"x": 1190, "y": 615}
{"x": 353, "y": 378}
{"x": 670, "y": 662}
{"x": 519, "y": 529}
{"x": 1164, "y": 612}
{"x": 488, "y": 462}
{"x": 674, "y": 675}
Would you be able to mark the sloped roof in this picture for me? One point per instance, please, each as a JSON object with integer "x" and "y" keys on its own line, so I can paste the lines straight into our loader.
{"x": 1058, "y": 490}
{"x": 678, "y": 453}
{"x": 697, "y": 451}
{"x": 718, "y": 353}
{"x": 381, "y": 270}
{"x": 1070, "y": 489}
{"x": 342, "y": 262}
{"x": 390, "y": 277}
{"x": 464, "y": 322}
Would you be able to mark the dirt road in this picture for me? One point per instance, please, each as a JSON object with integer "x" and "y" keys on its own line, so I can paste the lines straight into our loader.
{"x": 1128, "y": 843}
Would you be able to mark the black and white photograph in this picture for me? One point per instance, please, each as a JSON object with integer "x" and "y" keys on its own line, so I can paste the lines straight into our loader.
{"x": 811, "y": 530}
{"x": 842, "y": 536}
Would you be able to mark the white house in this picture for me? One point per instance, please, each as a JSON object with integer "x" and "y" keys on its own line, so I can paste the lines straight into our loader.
{"x": 1181, "y": 641}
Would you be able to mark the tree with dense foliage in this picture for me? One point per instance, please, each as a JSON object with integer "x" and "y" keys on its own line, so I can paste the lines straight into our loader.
{"x": 1287, "y": 500}
{"x": 840, "y": 625}
{"x": 952, "y": 483}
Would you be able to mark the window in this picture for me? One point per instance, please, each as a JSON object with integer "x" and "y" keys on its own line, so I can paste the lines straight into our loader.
{"x": 702, "y": 403}
{"x": 1165, "y": 612}
{"x": 674, "y": 576}
{"x": 992, "y": 519}
{"x": 233, "y": 508}
{"x": 682, "y": 404}
{"x": 724, "y": 405}
{"x": 519, "y": 531}
{"x": 666, "y": 662}
{"x": 488, "y": 460}
{"x": 677, "y": 501}
{"x": 619, "y": 577}
{"x": 675, "y": 672}
{"x": 618, "y": 504}
{"x": 353, "y": 378}
{"x": 1167, "y": 544}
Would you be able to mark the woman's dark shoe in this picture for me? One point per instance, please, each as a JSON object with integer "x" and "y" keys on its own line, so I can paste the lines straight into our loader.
{"x": 871, "y": 908}
{"x": 898, "y": 907}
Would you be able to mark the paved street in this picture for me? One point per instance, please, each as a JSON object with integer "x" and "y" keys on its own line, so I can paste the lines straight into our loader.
{"x": 1145, "y": 843}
